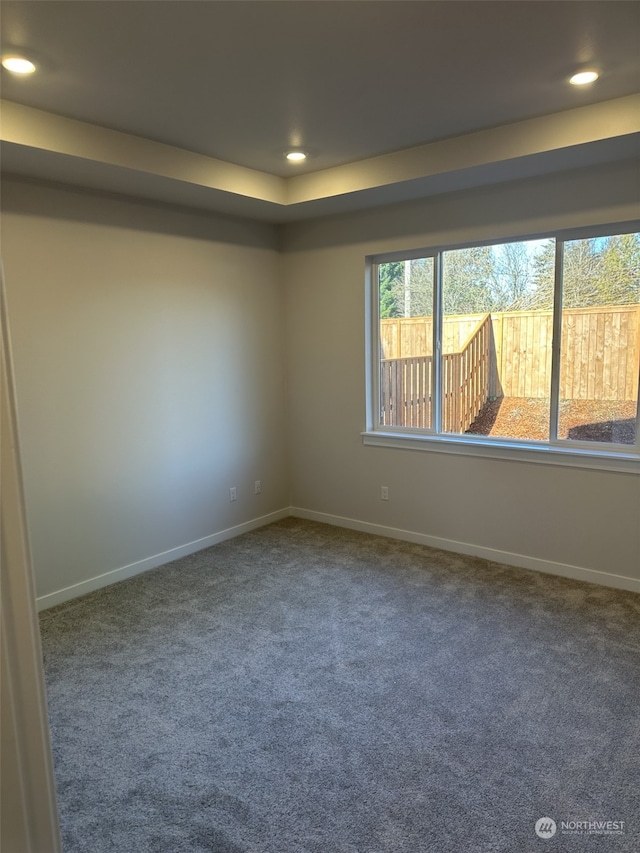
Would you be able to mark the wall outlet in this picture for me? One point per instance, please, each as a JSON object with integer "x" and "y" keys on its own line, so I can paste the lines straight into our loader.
{"x": 384, "y": 493}
{"x": 233, "y": 495}
{"x": 257, "y": 489}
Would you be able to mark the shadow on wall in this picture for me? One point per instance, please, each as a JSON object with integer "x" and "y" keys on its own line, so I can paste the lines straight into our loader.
{"x": 99, "y": 207}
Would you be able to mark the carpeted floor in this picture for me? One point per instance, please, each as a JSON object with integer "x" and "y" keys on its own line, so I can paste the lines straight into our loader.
{"x": 309, "y": 689}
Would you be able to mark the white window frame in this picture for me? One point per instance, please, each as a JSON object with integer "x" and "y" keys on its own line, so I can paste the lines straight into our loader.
{"x": 556, "y": 451}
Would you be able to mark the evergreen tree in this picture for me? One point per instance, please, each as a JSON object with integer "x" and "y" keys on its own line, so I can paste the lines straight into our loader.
{"x": 596, "y": 271}
{"x": 543, "y": 277}
{"x": 389, "y": 275}
{"x": 406, "y": 288}
{"x": 620, "y": 270}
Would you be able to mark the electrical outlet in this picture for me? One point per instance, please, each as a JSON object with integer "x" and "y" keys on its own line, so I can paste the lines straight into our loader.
{"x": 384, "y": 493}
{"x": 233, "y": 495}
{"x": 257, "y": 489}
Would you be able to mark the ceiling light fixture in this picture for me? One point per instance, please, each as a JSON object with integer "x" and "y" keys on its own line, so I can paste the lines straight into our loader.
{"x": 296, "y": 156}
{"x": 18, "y": 64}
{"x": 583, "y": 78}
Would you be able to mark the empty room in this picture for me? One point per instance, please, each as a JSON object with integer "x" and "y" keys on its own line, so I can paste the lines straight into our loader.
{"x": 320, "y": 446}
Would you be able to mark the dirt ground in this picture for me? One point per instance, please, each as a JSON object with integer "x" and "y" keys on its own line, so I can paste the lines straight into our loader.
{"x": 580, "y": 420}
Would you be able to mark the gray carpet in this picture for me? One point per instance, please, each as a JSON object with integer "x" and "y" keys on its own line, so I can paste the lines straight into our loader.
{"x": 308, "y": 689}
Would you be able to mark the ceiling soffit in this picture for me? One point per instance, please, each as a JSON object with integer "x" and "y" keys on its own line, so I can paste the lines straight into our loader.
{"x": 40, "y": 144}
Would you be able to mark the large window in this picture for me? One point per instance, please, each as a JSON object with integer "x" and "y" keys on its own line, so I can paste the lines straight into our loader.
{"x": 532, "y": 344}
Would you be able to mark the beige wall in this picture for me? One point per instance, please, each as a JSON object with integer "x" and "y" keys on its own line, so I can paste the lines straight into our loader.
{"x": 568, "y": 517}
{"x": 150, "y": 347}
{"x": 148, "y": 350}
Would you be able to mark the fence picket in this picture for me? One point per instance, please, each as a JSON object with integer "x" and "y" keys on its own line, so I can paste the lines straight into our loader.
{"x": 600, "y": 350}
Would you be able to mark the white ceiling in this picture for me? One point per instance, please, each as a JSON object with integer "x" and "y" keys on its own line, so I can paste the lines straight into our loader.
{"x": 240, "y": 82}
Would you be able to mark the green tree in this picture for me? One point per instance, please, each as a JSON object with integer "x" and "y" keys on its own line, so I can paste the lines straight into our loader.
{"x": 544, "y": 265}
{"x": 390, "y": 274}
{"x": 596, "y": 271}
{"x": 620, "y": 270}
{"x": 406, "y": 288}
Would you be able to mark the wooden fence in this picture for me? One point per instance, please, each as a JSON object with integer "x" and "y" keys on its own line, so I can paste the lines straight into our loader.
{"x": 404, "y": 337}
{"x": 406, "y": 391}
{"x": 465, "y": 380}
{"x": 406, "y": 385}
{"x": 600, "y": 350}
{"x": 601, "y": 354}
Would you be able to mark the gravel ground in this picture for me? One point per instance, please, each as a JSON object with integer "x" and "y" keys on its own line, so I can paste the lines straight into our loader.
{"x": 581, "y": 420}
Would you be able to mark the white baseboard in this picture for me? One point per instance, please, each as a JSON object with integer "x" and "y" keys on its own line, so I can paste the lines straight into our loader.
{"x": 519, "y": 560}
{"x": 45, "y": 601}
{"x": 506, "y": 557}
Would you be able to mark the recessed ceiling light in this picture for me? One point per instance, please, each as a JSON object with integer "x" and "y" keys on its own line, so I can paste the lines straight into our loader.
{"x": 18, "y": 64}
{"x": 582, "y": 78}
{"x": 296, "y": 156}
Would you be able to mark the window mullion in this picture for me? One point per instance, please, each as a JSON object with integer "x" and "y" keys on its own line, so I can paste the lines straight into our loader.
{"x": 638, "y": 404}
{"x": 556, "y": 344}
{"x": 437, "y": 345}
{"x": 373, "y": 292}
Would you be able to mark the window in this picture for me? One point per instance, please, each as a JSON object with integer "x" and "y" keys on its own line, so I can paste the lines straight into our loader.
{"x": 531, "y": 345}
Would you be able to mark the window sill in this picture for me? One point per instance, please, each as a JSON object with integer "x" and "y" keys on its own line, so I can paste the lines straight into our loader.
{"x": 627, "y": 462}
